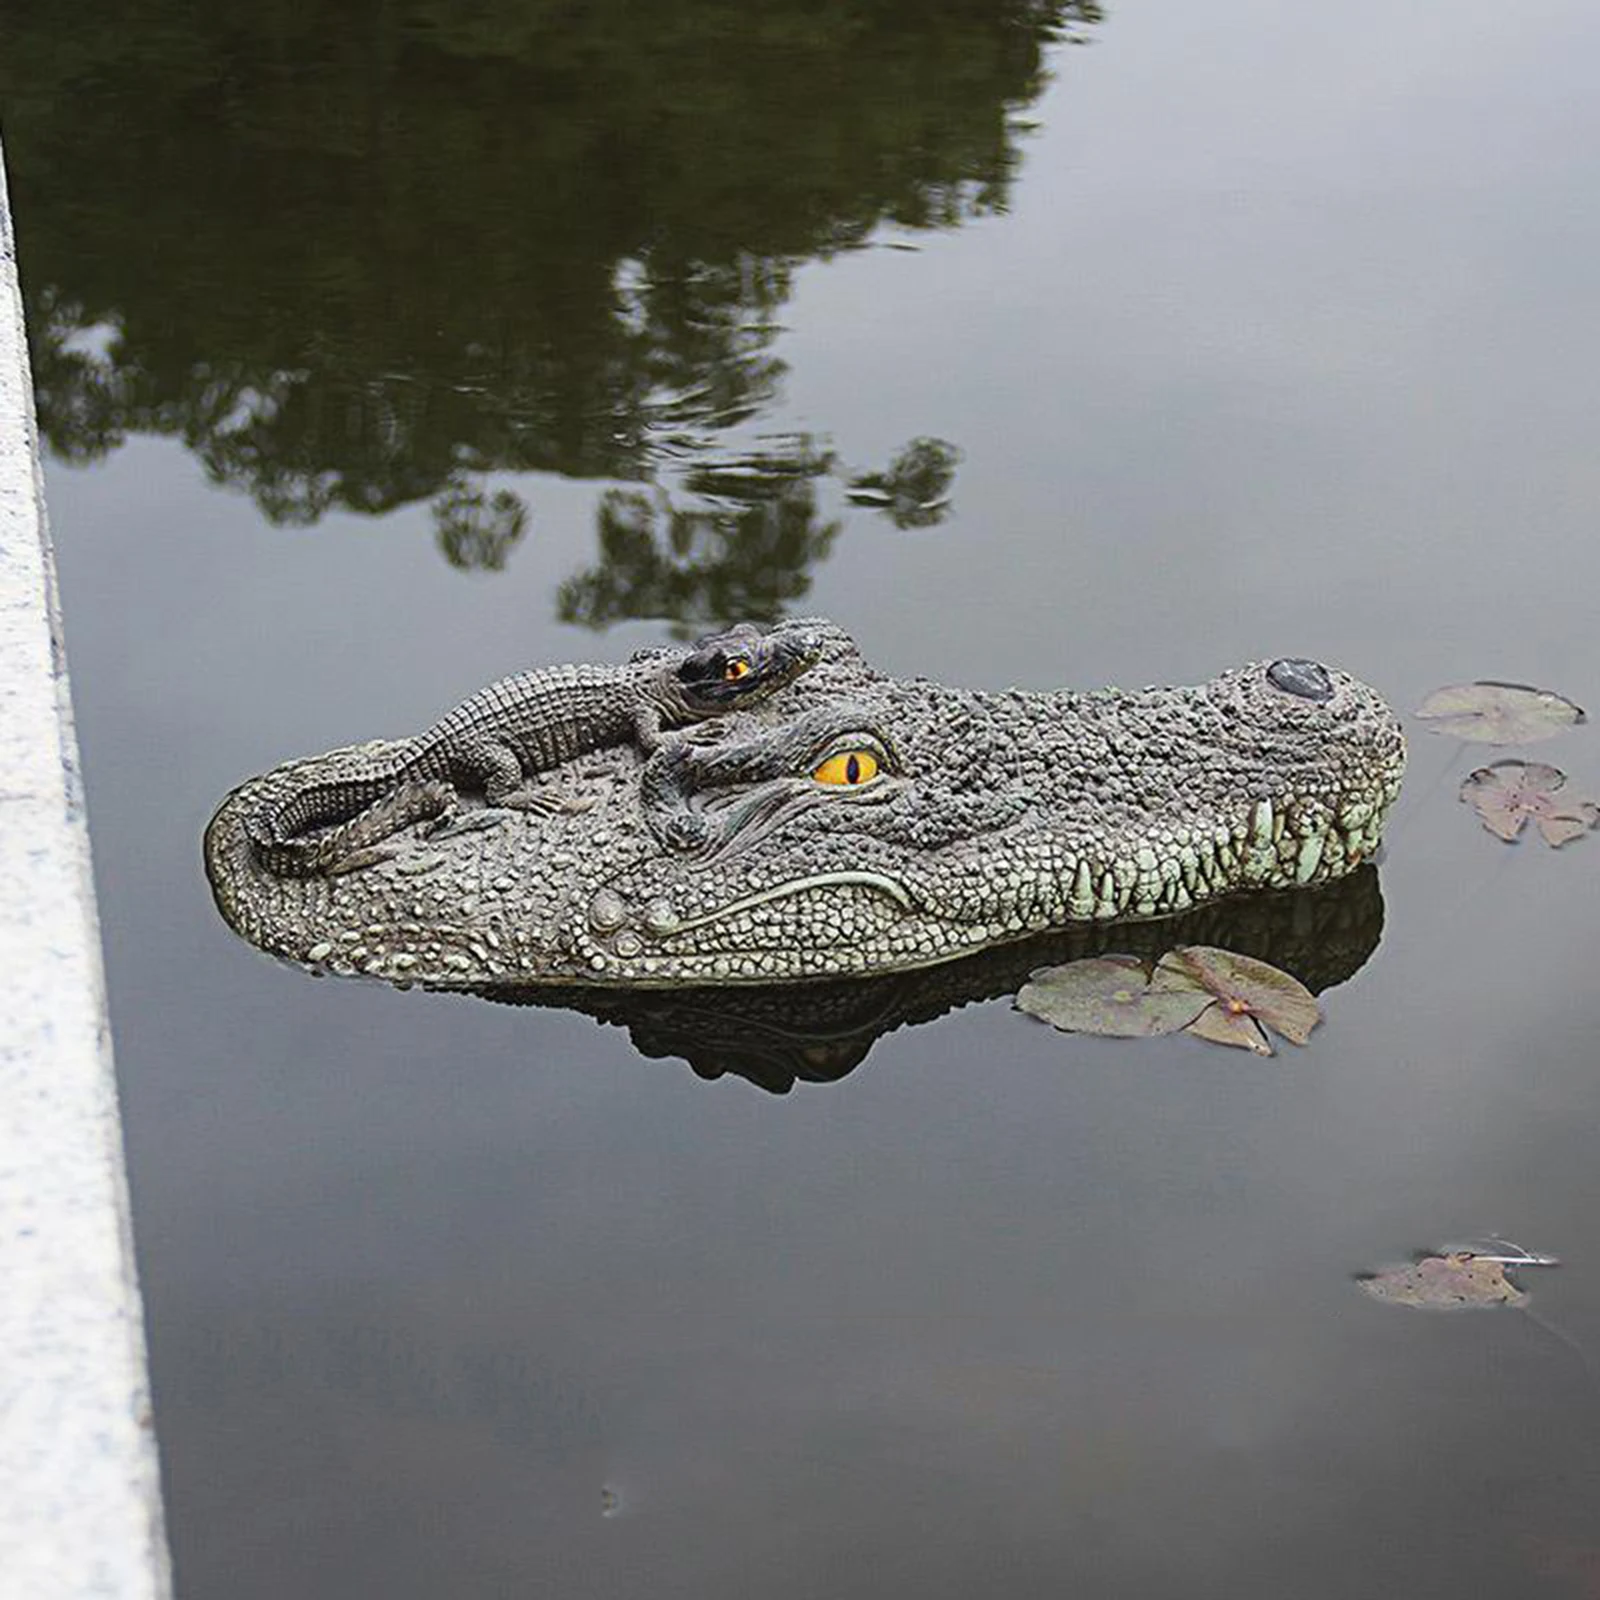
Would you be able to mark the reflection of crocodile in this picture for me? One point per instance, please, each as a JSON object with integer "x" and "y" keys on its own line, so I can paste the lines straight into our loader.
{"x": 818, "y": 1032}
{"x": 855, "y": 823}
{"x": 513, "y": 731}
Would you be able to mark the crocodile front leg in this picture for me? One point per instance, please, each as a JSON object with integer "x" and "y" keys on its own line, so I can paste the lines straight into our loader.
{"x": 665, "y": 786}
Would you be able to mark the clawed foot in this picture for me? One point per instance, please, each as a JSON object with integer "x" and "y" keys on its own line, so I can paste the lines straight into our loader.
{"x": 458, "y": 822}
{"x": 356, "y": 860}
{"x": 568, "y": 795}
{"x": 570, "y": 802}
{"x": 684, "y": 830}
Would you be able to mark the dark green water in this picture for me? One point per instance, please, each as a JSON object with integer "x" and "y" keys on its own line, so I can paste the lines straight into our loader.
{"x": 385, "y": 349}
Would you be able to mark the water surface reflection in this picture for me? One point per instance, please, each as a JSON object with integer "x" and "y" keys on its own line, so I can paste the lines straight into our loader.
{"x": 819, "y": 1032}
{"x": 360, "y": 265}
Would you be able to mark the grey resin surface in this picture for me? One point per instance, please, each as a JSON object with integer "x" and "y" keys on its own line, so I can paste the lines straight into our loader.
{"x": 992, "y": 816}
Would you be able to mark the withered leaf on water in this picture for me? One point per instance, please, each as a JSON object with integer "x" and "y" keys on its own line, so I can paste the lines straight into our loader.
{"x": 1487, "y": 712}
{"x": 1247, "y": 996}
{"x": 1211, "y": 993}
{"x": 1460, "y": 1281}
{"x": 1108, "y": 995}
{"x": 1508, "y": 794}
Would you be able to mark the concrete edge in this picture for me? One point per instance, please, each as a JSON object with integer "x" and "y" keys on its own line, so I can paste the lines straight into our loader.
{"x": 80, "y": 1498}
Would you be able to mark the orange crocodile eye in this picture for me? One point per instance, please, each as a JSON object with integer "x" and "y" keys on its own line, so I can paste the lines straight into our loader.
{"x": 848, "y": 768}
{"x": 736, "y": 669}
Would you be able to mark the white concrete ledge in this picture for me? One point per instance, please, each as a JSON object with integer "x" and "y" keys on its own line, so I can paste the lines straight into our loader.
{"x": 80, "y": 1506}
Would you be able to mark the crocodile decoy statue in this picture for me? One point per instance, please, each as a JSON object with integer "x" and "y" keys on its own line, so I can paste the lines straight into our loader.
{"x": 505, "y": 737}
{"x": 850, "y": 823}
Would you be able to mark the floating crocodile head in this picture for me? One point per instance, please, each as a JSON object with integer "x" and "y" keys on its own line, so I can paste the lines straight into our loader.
{"x": 856, "y": 823}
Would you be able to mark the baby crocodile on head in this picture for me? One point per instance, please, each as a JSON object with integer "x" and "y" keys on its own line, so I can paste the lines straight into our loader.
{"x": 499, "y": 739}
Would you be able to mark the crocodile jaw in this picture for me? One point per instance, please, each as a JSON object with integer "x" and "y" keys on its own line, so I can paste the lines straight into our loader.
{"x": 1011, "y": 815}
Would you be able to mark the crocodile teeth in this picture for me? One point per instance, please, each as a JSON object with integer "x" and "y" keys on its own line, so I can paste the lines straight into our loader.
{"x": 1354, "y": 814}
{"x": 1261, "y": 823}
{"x": 1309, "y": 859}
{"x": 1105, "y": 904}
{"x": 1081, "y": 897}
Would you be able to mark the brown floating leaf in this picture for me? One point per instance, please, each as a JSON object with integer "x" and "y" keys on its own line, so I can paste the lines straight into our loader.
{"x": 1457, "y": 1282}
{"x": 1109, "y": 995}
{"x": 1508, "y": 793}
{"x": 1222, "y": 1024}
{"x": 1247, "y": 994}
{"x": 1487, "y": 712}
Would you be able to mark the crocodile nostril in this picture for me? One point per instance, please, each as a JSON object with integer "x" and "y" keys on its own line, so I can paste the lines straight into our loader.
{"x": 1308, "y": 679}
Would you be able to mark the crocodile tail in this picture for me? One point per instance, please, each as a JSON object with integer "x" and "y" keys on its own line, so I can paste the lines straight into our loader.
{"x": 323, "y": 824}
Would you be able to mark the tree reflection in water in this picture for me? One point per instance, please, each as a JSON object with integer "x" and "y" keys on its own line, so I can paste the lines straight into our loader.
{"x": 743, "y": 546}
{"x": 360, "y": 257}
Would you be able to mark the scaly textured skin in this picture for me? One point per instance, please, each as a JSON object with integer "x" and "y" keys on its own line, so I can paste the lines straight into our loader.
{"x": 993, "y": 816}
{"x": 519, "y": 728}
{"x": 778, "y": 1035}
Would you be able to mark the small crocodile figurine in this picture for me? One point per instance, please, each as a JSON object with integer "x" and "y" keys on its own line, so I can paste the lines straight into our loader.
{"x": 506, "y": 735}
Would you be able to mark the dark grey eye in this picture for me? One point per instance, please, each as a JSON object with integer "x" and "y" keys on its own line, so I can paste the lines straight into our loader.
{"x": 1308, "y": 679}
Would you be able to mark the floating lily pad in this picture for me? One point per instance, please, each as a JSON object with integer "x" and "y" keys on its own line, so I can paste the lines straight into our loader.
{"x": 1508, "y": 794}
{"x": 1247, "y": 996}
{"x": 1460, "y": 1281}
{"x": 1487, "y": 712}
{"x": 1212, "y": 993}
{"x": 1109, "y": 995}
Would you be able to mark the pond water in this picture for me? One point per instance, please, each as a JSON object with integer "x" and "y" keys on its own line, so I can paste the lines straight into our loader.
{"x": 383, "y": 350}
